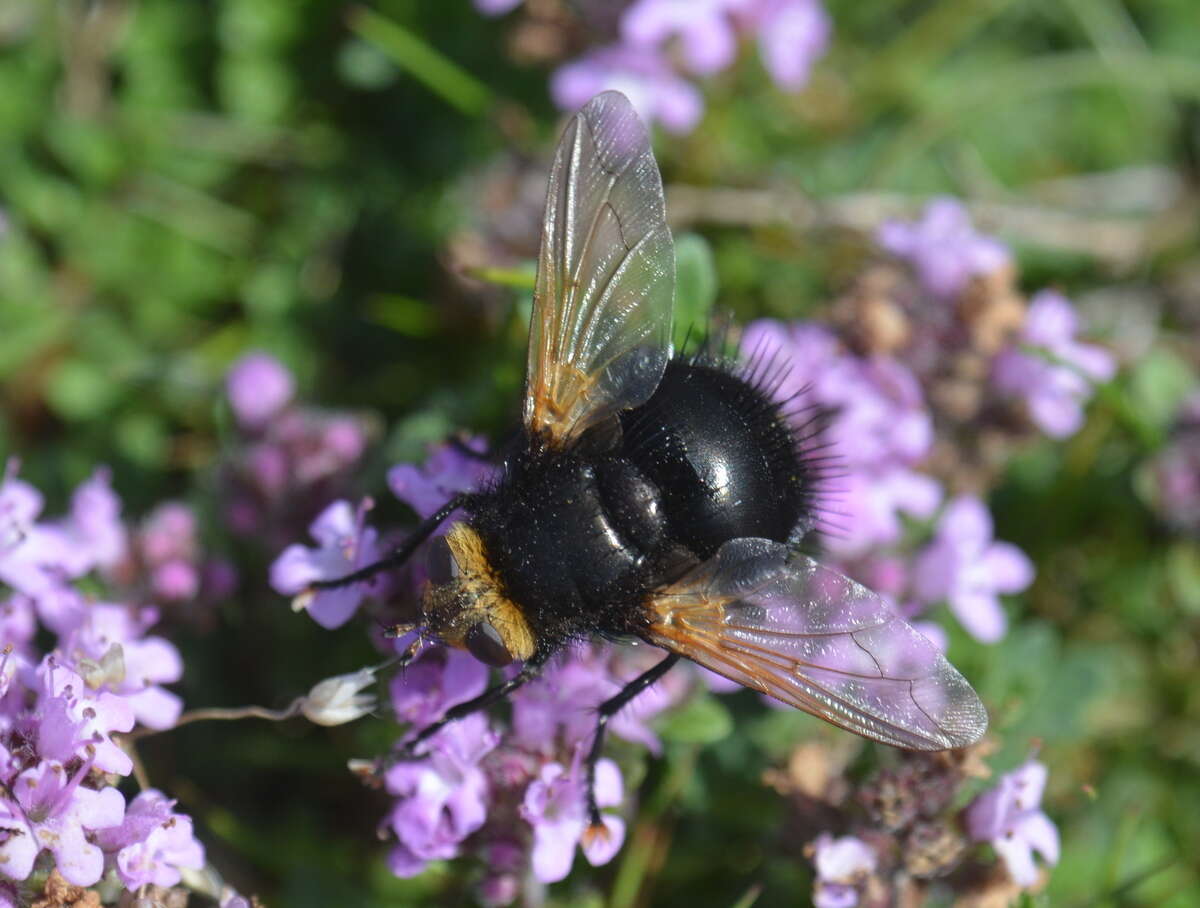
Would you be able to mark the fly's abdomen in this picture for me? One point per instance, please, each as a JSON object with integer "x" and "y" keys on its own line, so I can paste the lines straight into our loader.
{"x": 723, "y": 457}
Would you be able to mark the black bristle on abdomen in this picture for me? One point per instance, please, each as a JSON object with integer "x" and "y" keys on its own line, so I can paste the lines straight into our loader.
{"x": 715, "y": 419}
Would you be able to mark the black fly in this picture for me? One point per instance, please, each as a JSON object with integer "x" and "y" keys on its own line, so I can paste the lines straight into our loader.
{"x": 660, "y": 497}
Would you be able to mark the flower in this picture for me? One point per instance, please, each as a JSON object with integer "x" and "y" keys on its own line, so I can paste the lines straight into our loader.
{"x": 496, "y": 7}
{"x": 555, "y": 806}
{"x": 878, "y": 427}
{"x": 94, "y": 530}
{"x": 345, "y": 544}
{"x": 146, "y": 662}
{"x": 1008, "y": 817}
{"x": 153, "y": 842}
{"x": 1056, "y": 378}
{"x": 558, "y": 711}
{"x": 440, "y": 679}
{"x": 1171, "y": 480}
{"x": 965, "y": 567}
{"x": 95, "y": 714}
{"x": 841, "y": 865}
{"x": 58, "y": 813}
{"x": 259, "y": 386}
{"x": 59, "y": 712}
{"x": 704, "y": 27}
{"x": 38, "y": 558}
{"x": 869, "y": 504}
{"x": 167, "y": 542}
{"x": 943, "y": 247}
{"x": 446, "y": 472}
{"x": 653, "y": 88}
{"x": 442, "y": 798}
{"x": 339, "y": 699}
{"x": 792, "y": 36}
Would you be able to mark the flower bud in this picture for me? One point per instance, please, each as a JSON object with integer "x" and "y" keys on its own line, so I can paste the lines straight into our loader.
{"x": 337, "y": 700}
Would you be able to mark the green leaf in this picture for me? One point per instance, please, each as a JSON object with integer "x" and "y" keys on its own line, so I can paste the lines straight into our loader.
{"x": 695, "y": 284}
{"x": 702, "y": 720}
{"x": 1158, "y": 384}
{"x": 80, "y": 390}
{"x": 438, "y": 73}
{"x": 1183, "y": 574}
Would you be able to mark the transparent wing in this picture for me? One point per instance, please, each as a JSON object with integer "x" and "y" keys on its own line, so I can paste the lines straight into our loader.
{"x": 601, "y": 328}
{"x": 780, "y": 623}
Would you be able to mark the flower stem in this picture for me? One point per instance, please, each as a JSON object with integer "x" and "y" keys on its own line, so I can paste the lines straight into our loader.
{"x": 225, "y": 714}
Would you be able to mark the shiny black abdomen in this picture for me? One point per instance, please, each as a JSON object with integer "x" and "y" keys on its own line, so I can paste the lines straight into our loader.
{"x": 580, "y": 537}
{"x": 723, "y": 457}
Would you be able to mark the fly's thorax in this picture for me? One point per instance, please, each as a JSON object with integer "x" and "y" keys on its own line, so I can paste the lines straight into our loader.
{"x": 470, "y": 610}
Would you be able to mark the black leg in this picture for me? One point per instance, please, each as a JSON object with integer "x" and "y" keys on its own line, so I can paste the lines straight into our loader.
{"x": 608, "y": 709}
{"x": 398, "y": 557}
{"x": 484, "y": 700}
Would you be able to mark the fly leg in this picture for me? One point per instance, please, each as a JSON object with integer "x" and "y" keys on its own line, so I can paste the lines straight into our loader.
{"x": 423, "y": 531}
{"x": 487, "y": 698}
{"x": 607, "y": 710}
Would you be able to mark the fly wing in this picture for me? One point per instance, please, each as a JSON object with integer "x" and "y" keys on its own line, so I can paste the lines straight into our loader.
{"x": 600, "y": 334}
{"x": 778, "y": 622}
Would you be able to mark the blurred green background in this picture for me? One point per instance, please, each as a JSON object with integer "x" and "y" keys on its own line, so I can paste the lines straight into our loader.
{"x": 182, "y": 181}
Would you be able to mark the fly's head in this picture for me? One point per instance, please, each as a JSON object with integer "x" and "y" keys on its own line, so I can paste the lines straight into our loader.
{"x": 465, "y": 605}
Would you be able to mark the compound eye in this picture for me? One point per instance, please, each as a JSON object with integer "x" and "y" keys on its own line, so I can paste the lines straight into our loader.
{"x": 439, "y": 562}
{"x": 484, "y": 643}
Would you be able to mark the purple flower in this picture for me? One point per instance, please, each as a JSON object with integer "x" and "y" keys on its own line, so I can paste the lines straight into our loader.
{"x": 169, "y": 547}
{"x": 1008, "y": 817}
{"x": 175, "y": 581}
{"x": 58, "y": 814}
{"x": 965, "y": 567}
{"x": 146, "y": 663}
{"x": 625, "y": 664}
{"x": 442, "y": 798}
{"x": 94, "y": 529}
{"x": 446, "y": 472}
{"x": 152, "y": 843}
{"x": 877, "y": 406}
{"x": 35, "y": 558}
{"x": 878, "y": 427}
{"x": 496, "y": 7}
{"x": 168, "y": 533}
{"x": 653, "y": 88}
{"x": 345, "y": 543}
{"x": 440, "y": 679}
{"x": 95, "y": 715}
{"x": 943, "y": 247}
{"x": 20, "y": 505}
{"x": 558, "y": 711}
{"x": 18, "y": 624}
{"x": 869, "y": 504}
{"x": 555, "y": 806}
{"x": 704, "y": 28}
{"x": 1174, "y": 473}
{"x": 792, "y": 36}
{"x": 841, "y": 864}
{"x": 38, "y": 558}
{"x": 259, "y": 387}
{"x": 1056, "y": 379}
